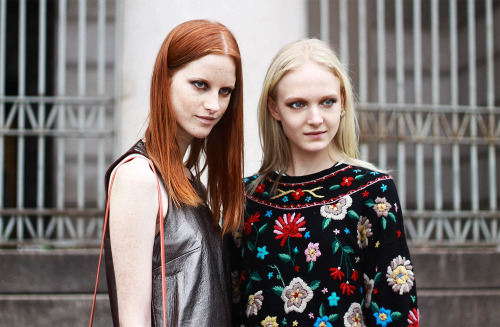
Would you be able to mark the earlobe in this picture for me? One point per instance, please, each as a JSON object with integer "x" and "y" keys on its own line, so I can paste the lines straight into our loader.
{"x": 271, "y": 106}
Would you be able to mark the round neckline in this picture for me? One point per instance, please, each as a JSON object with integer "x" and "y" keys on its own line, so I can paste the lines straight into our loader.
{"x": 308, "y": 177}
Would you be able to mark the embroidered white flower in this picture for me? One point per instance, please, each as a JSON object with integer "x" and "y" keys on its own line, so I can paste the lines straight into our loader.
{"x": 296, "y": 295}
{"x": 364, "y": 231}
{"x": 337, "y": 210}
{"x": 400, "y": 275}
{"x": 254, "y": 303}
{"x": 354, "y": 316}
{"x": 369, "y": 290}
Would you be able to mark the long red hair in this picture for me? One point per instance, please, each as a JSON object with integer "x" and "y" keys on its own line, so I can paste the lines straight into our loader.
{"x": 223, "y": 148}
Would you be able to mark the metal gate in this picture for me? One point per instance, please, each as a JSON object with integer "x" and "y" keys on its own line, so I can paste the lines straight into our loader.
{"x": 57, "y": 105}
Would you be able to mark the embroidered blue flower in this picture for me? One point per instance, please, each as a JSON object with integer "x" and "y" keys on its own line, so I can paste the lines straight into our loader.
{"x": 262, "y": 252}
{"x": 333, "y": 299}
{"x": 383, "y": 317}
{"x": 308, "y": 198}
{"x": 246, "y": 180}
{"x": 357, "y": 170}
{"x": 383, "y": 187}
{"x": 269, "y": 213}
{"x": 323, "y": 322}
{"x": 285, "y": 199}
{"x": 270, "y": 275}
{"x": 374, "y": 173}
{"x": 307, "y": 235}
{"x": 296, "y": 250}
{"x": 347, "y": 231}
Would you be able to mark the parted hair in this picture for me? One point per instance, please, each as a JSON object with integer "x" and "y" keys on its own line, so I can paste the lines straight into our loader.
{"x": 275, "y": 144}
{"x": 222, "y": 149}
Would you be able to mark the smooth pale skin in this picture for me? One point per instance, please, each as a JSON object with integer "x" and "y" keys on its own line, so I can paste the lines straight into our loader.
{"x": 200, "y": 93}
{"x": 308, "y": 104}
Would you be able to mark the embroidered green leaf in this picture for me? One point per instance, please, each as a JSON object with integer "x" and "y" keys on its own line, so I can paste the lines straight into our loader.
{"x": 369, "y": 203}
{"x": 314, "y": 284}
{"x": 377, "y": 277}
{"x": 263, "y": 228}
{"x": 384, "y": 223}
{"x": 310, "y": 266}
{"x": 265, "y": 194}
{"x": 334, "y": 317}
{"x": 348, "y": 249}
{"x": 325, "y": 223}
{"x": 396, "y": 315}
{"x": 375, "y": 307}
{"x": 335, "y": 246}
{"x": 256, "y": 276}
{"x": 278, "y": 290}
{"x": 250, "y": 246}
{"x": 391, "y": 215}
{"x": 353, "y": 214}
{"x": 359, "y": 177}
{"x": 322, "y": 310}
{"x": 284, "y": 257}
{"x": 334, "y": 187}
{"x": 249, "y": 287}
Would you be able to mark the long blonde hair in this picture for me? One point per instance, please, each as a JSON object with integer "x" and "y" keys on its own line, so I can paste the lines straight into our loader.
{"x": 275, "y": 144}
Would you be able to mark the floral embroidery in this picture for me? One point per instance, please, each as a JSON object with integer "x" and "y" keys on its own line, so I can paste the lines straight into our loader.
{"x": 237, "y": 238}
{"x": 337, "y": 273}
{"x": 333, "y": 299}
{"x": 347, "y": 181}
{"x": 364, "y": 231}
{"x": 413, "y": 318}
{"x": 312, "y": 252}
{"x": 347, "y": 288}
{"x": 338, "y": 210}
{"x": 235, "y": 286}
{"x": 322, "y": 322}
{"x": 400, "y": 275}
{"x": 254, "y": 303}
{"x": 296, "y": 295}
{"x": 383, "y": 317}
{"x": 269, "y": 322}
{"x": 289, "y": 226}
{"x": 250, "y": 221}
{"x": 369, "y": 290}
{"x": 262, "y": 252}
{"x": 354, "y": 316}
{"x": 381, "y": 207}
{"x": 297, "y": 194}
{"x": 260, "y": 188}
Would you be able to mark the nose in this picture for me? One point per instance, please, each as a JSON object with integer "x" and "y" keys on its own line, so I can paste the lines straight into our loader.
{"x": 315, "y": 117}
{"x": 212, "y": 101}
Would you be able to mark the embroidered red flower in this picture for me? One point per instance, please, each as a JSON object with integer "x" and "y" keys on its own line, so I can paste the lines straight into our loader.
{"x": 290, "y": 225}
{"x": 260, "y": 188}
{"x": 399, "y": 233}
{"x": 337, "y": 273}
{"x": 347, "y": 289}
{"x": 249, "y": 223}
{"x": 297, "y": 194}
{"x": 413, "y": 318}
{"x": 347, "y": 181}
{"x": 355, "y": 275}
{"x": 365, "y": 193}
{"x": 297, "y": 268}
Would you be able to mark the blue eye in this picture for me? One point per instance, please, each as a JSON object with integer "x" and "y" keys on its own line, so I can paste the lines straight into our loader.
{"x": 199, "y": 84}
{"x": 225, "y": 91}
{"x": 296, "y": 105}
{"x": 329, "y": 102}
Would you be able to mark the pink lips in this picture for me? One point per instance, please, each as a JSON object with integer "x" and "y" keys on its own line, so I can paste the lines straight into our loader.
{"x": 206, "y": 120}
{"x": 315, "y": 135}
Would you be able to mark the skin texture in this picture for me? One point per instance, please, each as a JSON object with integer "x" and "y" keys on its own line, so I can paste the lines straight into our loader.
{"x": 200, "y": 91}
{"x": 308, "y": 105}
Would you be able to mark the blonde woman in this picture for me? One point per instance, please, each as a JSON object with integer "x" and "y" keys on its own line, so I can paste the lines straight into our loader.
{"x": 324, "y": 241}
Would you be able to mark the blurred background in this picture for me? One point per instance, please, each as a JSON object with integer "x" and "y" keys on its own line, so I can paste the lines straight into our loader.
{"x": 74, "y": 95}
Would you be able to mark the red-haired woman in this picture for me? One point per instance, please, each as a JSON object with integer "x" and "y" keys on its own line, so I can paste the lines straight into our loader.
{"x": 196, "y": 102}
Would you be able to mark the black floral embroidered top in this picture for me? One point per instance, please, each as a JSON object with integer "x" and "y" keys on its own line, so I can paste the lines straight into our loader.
{"x": 326, "y": 249}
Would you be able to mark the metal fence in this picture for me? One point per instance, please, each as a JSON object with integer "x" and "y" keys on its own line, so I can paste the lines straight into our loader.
{"x": 57, "y": 88}
{"x": 426, "y": 72}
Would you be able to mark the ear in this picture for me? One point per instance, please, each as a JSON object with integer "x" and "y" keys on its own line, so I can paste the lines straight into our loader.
{"x": 271, "y": 106}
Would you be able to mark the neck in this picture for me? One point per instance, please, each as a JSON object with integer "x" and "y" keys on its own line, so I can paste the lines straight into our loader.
{"x": 306, "y": 165}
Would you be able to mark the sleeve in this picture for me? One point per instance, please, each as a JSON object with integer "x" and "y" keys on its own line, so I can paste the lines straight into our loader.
{"x": 234, "y": 241}
{"x": 390, "y": 289}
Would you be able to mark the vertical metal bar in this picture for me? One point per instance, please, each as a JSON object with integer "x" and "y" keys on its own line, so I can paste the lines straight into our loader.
{"x": 490, "y": 100}
{"x": 419, "y": 154}
{"x": 381, "y": 79}
{"x": 344, "y": 32}
{"x": 471, "y": 40}
{"x": 101, "y": 89}
{"x": 363, "y": 64}
{"x": 324, "y": 27}
{"x": 42, "y": 26}
{"x": 82, "y": 61}
{"x": 438, "y": 192}
{"x": 21, "y": 119}
{"x": 455, "y": 150}
{"x": 400, "y": 79}
{"x": 3, "y": 27}
{"x": 61, "y": 120}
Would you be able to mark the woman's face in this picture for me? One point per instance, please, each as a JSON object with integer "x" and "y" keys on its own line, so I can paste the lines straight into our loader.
{"x": 200, "y": 94}
{"x": 308, "y": 105}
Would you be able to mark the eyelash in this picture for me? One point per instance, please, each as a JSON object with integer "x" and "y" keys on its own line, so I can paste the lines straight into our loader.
{"x": 301, "y": 104}
{"x": 226, "y": 91}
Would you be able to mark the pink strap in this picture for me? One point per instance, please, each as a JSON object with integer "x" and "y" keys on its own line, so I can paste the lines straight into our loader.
{"x": 162, "y": 239}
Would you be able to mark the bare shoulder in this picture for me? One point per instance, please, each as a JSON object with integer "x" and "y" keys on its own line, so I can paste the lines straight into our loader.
{"x": 135, "y": 173}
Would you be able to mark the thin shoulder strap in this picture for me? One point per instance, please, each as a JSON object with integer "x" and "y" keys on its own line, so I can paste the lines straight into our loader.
{"x": 162, "y": 237}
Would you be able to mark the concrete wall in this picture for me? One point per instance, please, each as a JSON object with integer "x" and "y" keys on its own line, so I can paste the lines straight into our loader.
{"x": 261, "y": 28}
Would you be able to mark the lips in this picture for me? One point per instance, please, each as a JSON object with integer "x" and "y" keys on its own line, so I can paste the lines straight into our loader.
{"x": 315, "y": 133}
{"x": 207, "y": 120}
